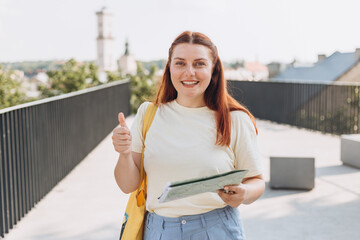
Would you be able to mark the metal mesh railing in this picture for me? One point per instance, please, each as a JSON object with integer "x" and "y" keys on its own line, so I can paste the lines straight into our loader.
{"x": 41, "y": 142}
{"x": 327, "y": 107}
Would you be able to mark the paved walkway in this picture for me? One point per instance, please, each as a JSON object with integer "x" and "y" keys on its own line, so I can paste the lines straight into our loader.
{"x": 87, "y": 204}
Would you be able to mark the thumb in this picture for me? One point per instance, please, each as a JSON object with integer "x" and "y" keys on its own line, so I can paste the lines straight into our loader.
{"x": 122, "y": 120}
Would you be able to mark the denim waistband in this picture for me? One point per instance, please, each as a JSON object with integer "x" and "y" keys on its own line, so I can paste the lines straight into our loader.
{"x": 160, "y": 221}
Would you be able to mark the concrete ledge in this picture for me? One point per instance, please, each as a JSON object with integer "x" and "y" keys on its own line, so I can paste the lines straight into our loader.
{"x": 292, "y": 172}
{"x": 350, "y": 150}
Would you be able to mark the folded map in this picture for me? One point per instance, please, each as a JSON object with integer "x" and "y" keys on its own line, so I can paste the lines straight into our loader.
{"x": 186, "y": 188}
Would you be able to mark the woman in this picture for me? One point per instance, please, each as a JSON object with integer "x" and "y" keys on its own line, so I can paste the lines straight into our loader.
{"x": 198, "y": 130}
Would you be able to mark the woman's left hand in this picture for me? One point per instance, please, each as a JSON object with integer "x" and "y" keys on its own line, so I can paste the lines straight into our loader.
{"x": 235, "y": 195}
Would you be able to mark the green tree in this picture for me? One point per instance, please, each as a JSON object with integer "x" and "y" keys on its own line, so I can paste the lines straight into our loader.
{"x": 142, "y": 86}
{"x": 10, "y": 93}
{"x": 72, "y": 76}
{"x": 114, "y": 76}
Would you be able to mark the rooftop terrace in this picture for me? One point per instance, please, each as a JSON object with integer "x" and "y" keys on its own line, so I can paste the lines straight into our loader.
{"x": 87, "y": 204}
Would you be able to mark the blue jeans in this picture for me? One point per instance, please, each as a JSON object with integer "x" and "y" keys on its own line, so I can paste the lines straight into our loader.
{"x": 219, "y": 224}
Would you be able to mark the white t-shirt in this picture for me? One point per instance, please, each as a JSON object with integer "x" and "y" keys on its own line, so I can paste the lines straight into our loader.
{"x": 180, "y": 144}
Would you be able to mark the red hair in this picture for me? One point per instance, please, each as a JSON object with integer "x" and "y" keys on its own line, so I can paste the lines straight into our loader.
{"x": 216, "y": 95}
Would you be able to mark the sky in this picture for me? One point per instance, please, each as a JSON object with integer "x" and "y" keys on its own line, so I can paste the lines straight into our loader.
{"x": 251, "y": 30}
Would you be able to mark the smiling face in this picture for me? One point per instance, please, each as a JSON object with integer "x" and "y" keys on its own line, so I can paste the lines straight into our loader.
{"x": 190, "y": 71}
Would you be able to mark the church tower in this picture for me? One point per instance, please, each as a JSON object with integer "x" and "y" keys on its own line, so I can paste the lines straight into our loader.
{"x": 127, "y": 62}
{"x": 106, "y": 60}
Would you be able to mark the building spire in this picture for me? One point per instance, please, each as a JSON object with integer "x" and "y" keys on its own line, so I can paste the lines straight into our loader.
{"x": 127, "y": 53}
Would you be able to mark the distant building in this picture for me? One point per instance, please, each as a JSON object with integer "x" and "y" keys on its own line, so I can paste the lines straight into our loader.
{"x": 127, "y": 62}
{"x": 258, "y": 71}
{"x": 239, "y": 74}
{"x": 276, "y": 67}
{"x": 251, "y": 71}
{"x": 340, "y": 67}
{"x": 106, "y": 59}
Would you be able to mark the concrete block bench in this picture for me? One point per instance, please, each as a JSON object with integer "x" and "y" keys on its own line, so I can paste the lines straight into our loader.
{"x": 350, "y": 150}
{"x": 292, "y": 172}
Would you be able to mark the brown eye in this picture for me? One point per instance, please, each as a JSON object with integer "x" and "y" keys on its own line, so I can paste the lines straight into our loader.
{"x": 200, "y": 64}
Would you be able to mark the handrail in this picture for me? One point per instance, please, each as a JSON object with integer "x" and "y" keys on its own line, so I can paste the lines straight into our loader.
{"x": 65, "y": 95}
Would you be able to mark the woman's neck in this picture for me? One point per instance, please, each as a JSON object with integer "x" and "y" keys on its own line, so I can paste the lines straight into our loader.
{"x": 191, "y": 103}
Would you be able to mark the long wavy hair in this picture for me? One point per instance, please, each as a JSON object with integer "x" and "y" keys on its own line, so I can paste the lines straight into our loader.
{"x": 216, "y": 95}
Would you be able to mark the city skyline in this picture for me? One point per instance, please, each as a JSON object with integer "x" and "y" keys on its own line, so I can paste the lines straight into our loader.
{"x": 242, "y": 30}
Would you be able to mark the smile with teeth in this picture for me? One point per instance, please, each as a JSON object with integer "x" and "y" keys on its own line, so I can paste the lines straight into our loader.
{"x": 189, "y": 83}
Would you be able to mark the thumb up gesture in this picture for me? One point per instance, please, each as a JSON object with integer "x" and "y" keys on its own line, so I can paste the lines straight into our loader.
{"x": 122, "y": 137}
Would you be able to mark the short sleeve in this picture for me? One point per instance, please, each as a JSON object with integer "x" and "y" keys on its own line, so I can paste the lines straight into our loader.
{"x": 136, "y": 129}
{"x": 244, "y": 144}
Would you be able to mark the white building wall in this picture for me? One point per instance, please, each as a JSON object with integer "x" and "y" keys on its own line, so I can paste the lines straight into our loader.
{"x": 106, "y": 60}
{"x": 127, "y": 65}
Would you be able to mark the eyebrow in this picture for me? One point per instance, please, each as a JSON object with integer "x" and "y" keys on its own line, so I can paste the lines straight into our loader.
{"x": 198, "y": 59}
{"x": 201, "y": 59}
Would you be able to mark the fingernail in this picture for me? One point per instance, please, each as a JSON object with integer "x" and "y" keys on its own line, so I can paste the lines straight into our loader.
{"x": 226, "y": 188}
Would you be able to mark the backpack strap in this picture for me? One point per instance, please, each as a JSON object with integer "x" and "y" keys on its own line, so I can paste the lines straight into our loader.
{"x": 148, "y": 118}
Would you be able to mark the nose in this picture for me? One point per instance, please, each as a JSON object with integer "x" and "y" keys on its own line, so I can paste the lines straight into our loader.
{"x": 190, "y": 70}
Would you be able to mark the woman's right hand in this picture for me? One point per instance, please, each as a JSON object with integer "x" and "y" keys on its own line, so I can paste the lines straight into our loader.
{"x": 127, "y": 173}
{"x": 122, "y": 137}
